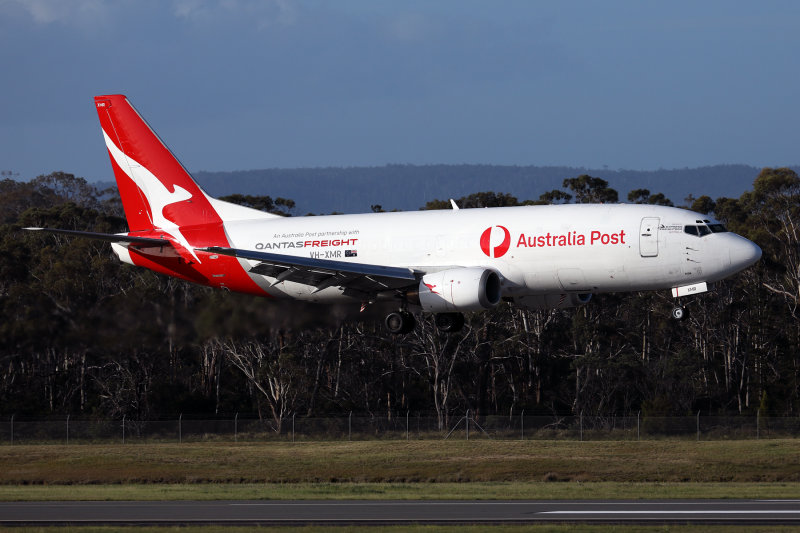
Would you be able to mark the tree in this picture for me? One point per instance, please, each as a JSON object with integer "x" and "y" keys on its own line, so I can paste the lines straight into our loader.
{"x": 270, "y": 368}
{"x": 704, "y": 205}
{"x": 433, "y": 357}
{"x": 279, "y": 206}
{"x": 476, "y": 200}
{"x": 589, "y": 190}
{"x": 643, "y": 196}
{"x": 552, "y": 197}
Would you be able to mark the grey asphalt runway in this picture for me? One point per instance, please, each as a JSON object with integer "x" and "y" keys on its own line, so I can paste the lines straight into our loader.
{"x": 399, "y": 512}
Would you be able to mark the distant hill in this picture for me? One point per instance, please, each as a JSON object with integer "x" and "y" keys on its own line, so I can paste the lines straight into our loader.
{"x": 409, "y": 187}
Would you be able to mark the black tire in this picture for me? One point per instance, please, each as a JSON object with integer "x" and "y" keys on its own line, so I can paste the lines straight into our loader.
{"x": 400, "y": 322}
{"x": 680, "y": 313}
{"x": 449, "y": 322}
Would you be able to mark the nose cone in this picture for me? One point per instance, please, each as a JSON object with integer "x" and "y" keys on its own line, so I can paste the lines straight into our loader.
{"x": 743, "y": 253}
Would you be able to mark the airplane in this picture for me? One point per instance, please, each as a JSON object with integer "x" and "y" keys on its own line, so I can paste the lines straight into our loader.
{"x": 445, "y": 262}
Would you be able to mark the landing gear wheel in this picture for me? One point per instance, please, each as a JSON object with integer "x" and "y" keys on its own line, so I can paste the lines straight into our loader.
{"x": 680, "y": 313}
{"x": 449, "y": 322}
{"x": 400, "y": 322}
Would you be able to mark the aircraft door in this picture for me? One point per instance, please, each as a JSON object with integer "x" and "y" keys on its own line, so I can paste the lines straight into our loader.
{"x": 648, "y": 237}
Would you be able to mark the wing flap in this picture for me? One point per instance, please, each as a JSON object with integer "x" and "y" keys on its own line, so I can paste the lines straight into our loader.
{"x": 323, "y": 273}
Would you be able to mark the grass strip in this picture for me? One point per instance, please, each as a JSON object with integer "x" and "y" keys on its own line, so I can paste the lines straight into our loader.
{"x": 751, "y": 461}
{"x": 403, "y": 491}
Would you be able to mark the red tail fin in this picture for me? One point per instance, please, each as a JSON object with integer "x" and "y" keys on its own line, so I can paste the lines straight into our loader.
{"x": 160, "y": 197}
{"x": 157, "y": 192}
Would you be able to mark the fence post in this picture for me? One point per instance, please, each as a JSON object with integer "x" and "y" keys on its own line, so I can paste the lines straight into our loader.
{"x": 638, "y": 427}
{"x": 236, "y": 427}
{"x": 406, "y": 425}
{"x": 467, "y": 420}
{"x": 581, "y": 424}
{"x": 758, "y": 424}
{"x": 293, "y": 415}
{"x": 698, "y": 426}
{"x": 180, "y": 429}
{"x": 522, "y": 424}
{"x": 12, "y": 430}
{"x": 350, "y": 425}
{"x": 123, "y": 429}
{"x": 67, "y": 429}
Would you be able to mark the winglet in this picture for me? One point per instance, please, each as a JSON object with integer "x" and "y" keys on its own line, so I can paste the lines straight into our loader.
{"x": 454, "y": 204}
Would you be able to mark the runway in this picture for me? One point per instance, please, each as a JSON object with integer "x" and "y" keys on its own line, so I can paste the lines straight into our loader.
{"x": 399, "y": 512}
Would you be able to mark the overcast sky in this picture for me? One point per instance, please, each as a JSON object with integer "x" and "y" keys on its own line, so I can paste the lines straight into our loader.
{"x": 242, "y": 84}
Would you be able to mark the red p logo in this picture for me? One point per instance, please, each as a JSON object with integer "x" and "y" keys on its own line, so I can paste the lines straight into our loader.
{"x": 499, "y": 250}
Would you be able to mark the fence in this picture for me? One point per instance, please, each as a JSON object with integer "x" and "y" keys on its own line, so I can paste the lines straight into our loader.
{"x": 407, "y": 426}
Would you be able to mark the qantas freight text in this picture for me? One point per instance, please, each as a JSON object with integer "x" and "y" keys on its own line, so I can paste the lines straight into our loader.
{"x": 305, "y": 244}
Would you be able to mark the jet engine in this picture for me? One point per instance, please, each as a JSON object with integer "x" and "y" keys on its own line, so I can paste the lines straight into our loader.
{"x": 553, "y": 301}
{"x": 458, "y": 289}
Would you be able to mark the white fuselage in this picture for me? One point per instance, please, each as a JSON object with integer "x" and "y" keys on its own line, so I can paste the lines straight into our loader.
{"x": 536, "y": 250}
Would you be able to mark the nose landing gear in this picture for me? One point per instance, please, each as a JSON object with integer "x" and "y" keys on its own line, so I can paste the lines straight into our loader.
{"x": 680, "y": 313}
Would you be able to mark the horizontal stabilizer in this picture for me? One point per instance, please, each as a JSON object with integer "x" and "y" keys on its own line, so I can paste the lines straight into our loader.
{"x": 109, "y": 237}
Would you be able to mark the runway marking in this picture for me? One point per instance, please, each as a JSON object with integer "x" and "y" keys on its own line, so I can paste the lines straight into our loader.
{"x": 337, "y": 503}
{"x": 365, "y": 504}
{"x": 659, "y": 511}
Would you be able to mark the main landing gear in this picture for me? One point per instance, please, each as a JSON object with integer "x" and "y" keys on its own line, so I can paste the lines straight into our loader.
{"x": 449, "y": 322}
{"x": 402, "y": 322}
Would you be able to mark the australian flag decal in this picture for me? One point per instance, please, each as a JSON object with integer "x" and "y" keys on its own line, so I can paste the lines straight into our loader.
{"x": 351, "y": 253}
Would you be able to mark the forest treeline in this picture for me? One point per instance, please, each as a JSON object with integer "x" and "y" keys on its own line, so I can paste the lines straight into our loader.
{"x": 84, "y": 335}
{"x": 407, "y": 187}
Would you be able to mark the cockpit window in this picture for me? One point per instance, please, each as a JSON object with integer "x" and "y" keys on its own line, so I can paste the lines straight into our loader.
{"x": 701, "y": 230}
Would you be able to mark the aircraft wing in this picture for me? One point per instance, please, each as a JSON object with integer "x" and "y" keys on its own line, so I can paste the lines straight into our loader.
{"x": 357, "y": 279}
{"x": 140, "y": 242}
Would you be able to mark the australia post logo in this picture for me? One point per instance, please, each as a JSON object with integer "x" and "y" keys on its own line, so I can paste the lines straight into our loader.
{"x": 495, "y": 241}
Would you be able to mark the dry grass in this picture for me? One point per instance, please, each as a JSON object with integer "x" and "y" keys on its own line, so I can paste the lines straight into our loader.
{"x": 403, "y": 462}
{"x": 512, "y": 490}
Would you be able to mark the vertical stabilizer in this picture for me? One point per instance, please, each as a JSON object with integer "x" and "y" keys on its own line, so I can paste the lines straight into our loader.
{"x": 161, "y": 200}
{"x": 157, "y": 192}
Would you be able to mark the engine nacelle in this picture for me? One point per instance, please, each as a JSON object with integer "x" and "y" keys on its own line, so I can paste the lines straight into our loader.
{"x": 459, "y": 289}
{"x": 553, "y": 301}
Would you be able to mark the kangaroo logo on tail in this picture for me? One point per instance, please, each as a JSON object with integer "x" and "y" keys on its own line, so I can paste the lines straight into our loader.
{"x": 156, "y": 193}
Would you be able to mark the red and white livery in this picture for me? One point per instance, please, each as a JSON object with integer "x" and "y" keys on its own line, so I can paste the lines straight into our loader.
{"x": 443, "y": 262}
